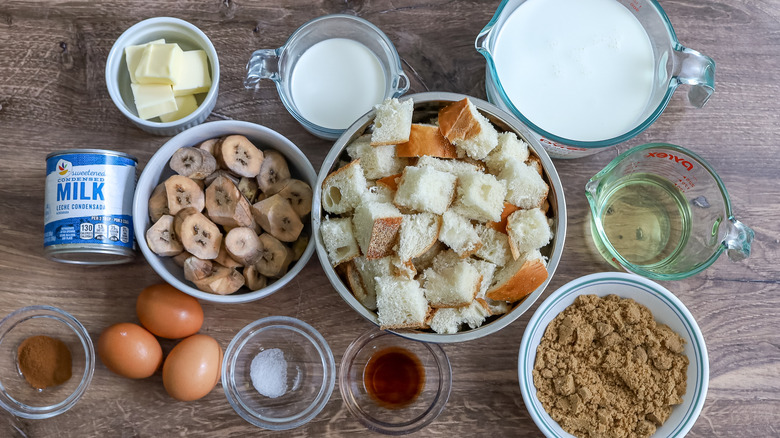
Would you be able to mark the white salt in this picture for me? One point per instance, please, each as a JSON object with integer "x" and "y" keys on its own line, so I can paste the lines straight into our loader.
{"x": 269, "y": 373}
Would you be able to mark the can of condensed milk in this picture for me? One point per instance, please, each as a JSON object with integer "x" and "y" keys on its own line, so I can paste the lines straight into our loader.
{"x": 88, "y": 207}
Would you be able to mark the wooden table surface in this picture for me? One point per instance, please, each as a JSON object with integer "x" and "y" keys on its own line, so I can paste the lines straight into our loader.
{"x": 53, "y": 96}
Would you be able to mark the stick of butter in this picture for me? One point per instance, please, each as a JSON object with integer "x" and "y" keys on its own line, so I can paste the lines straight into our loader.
{"x": 133, "y": 57}
{"x": 160, "y": 64}
{"x": 153, "y": 100}
{"x": 193, "y": 77}
{"x": 187, "y": 105}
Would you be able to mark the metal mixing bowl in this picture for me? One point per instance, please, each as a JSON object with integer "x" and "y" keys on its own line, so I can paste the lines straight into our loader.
{"x": 426, "y": 106}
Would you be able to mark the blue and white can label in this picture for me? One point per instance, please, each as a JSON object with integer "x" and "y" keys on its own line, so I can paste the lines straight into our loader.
{"x": 88, "y": 204}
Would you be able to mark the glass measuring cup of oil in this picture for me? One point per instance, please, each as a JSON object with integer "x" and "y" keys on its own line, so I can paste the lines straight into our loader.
{"x": 662, "y": 212}
{"x": 331, "y": 71}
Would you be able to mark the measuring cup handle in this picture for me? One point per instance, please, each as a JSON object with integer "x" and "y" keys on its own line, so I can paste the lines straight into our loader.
{"x": 697, "y": 70}
{"x": 401, "y": 84}
{"x": 738, "y": 240}
{"x": 264, "y": 64}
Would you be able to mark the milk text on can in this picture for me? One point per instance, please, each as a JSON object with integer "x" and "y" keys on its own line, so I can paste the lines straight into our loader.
{"x": 88, "y": 207}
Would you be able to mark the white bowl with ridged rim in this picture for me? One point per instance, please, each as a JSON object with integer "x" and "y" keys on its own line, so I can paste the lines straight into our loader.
{"x": 666, "y": 309}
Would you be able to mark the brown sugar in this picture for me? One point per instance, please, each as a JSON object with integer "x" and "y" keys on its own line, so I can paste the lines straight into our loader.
{"x": 605, "y": 368}
{"x": 44, "y": 361}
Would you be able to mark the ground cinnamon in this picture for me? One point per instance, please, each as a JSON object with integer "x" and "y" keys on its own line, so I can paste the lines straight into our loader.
{"x": 44, "y": 361}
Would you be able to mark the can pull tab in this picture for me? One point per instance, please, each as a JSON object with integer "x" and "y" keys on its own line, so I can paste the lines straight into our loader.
{"x": 738, "y": 240}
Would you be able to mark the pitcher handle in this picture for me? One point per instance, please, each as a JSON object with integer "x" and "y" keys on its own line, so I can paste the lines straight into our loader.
{"x": 738, "y": 240}
{"x": 401, "y": 84}
{"x": 697, "y": 70}
{"x": 264, "y": 64}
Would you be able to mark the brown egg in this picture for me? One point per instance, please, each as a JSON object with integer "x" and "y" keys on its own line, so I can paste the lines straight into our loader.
{"x": 168, "y": 312}
{"x": 192, "y": 368}
{"x": 129, "y": 350}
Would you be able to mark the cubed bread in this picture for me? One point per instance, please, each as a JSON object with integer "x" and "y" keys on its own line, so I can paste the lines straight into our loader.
{"x": 446, "y": 259}
{"x": 378, "y": 193}
{"x": 449, "y": 320}
{"x": 376, "y": 161}
{"x": 425, "y": 189}
{"x": 376, "y": 227}
{"x": 393, "y": 122}
{"x": 510, "y": 148}
{"x": 519, "y": 278}
{"x": 487, "y": 271}
{"x": 475, "y": 313}
{"x": 455, "y": 167}
{"x": 366, "y": 296}
{"x": 528, "y": 230}
{"x": 426, "y": 140}
{"x": 339, "y": 238}
{"x": 480, "y": 196}
{"x": 525, "y": 187}
{"x": 343, "y": 189}
{"x": 458, "y": 233}
{"x": 463, "y": 125}
{"x": 402, "y": 268}
{"x": 418, "y": 233}
{"x": 495, "y": 246}
{"x": 401, "y": 304}
{"x": 508, "y": 209}
{"x": 536, "y": 163}
{"x": 425, "y": 260}
{"x": 391, "y": 182}
{"x": 498, "y": 307}
{"x": 368, "y": 272}
{"x": 453, "y": 286}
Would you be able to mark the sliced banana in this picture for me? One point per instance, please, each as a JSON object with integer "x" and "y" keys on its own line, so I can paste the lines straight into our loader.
{"x": 277, "y": 217}
{"x": 183, "y": 192}
{"x": 253, "y": 279}
{"x": 299, "y": 246}
{"x": 158, "y": 203}
{"x": 240, "y": 156}
{"x": 224, "y": 259}
{"x": 243, "y": 245}
{"x": 211, "y": 146}
{"x": 276, "y": 257}
{"x": 178, "y": 219}
{"x": 180, "y": 258}
{"x": 299, "y": 194}
{"x": 161, "y": 237}
{"x": 200, "y": 236}
{"x": 274, "y": 173}
{"x": 220, "y": 172}
{"x": 226, "y": 205}
{"x": 195, "y": 163}
{"x": 196, "y": 269}
{"x": 222, "y": 281}
{"x": 248, "y": 187}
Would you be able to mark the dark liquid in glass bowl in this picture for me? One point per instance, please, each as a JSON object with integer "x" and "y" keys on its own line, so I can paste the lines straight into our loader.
{"x": 394, "y": 377}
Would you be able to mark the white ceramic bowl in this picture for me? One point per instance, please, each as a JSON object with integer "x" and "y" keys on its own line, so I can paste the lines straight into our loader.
{"x": 173, "y": 30}
{"x": 427, "y": 105}
{"x": 666, "y": 309}
{"x": 157, "y": 171}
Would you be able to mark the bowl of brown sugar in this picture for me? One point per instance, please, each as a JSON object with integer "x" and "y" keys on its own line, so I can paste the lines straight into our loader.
{"x": 46, "y": 362}
{"x": 613, "y": 354}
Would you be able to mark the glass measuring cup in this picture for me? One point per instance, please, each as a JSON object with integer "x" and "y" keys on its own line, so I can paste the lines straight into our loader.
{"x": 673, "y": 63}
{"x": 662, "y": 212}
{"x": 279, "y": 65}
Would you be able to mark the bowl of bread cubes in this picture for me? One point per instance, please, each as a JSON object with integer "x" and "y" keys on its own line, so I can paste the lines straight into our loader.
{"x": 221, "y": 211}
{"x": 438, "y": 217}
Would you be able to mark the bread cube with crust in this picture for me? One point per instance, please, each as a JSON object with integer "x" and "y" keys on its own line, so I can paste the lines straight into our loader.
{"x": 458, "y": 233}
{"x": 376, "y": 227}
{"x": 449, "y": 320}
{"x": 401, "y": 304}
{"x": 376, "y": 161}
{"x": 418, "y": 233}
{"x": 343, "y": 189}
{"x": 519, "y": 278}
{"x": 473, "y": 134}
{"x": 480, "y": 196}
{"x": 525, "y": 186}
{"x": 393, "y": 122}
{"x": 510, "y": 148}
{"x": 458, "y": 168}
{"x": 425, "y": 189}
{"x": 426, "y": 140}
{"x": 528, "y": 230}
{"x": 495, "y": 245}
{"x": 338, "y": 235}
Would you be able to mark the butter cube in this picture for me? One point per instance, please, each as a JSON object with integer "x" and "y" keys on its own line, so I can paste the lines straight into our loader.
{"x": 160, "y": 63}
{"x": 153, "y": 100}
{"x": 133, "y": 57}
{"x": 193, "y": 77}
{"x": 187, "y": 105}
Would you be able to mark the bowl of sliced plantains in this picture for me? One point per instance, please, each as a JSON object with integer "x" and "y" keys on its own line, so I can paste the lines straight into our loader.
{"x": 222, "y": 211}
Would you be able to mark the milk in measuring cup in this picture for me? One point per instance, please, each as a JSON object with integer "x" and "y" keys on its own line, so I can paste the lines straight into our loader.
{"x": 579, "y": 69}
{"x": 336, "y": 81}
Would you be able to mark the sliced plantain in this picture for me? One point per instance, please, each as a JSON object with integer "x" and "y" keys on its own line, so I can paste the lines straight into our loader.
{"x": 161, "y": 237}
{"x": 183, "y": 192}
{"x": 180, "y": 258}
{"x": 299, "y": 246}
{"x": 275, "y": 258}
{"x": 178, "y": 219}
{"x": 200, "y": 236}
{"x": 194, "y": 163}
{"x": 274, "y": 172}
{"x": 226, "y": 205}
{"x": 240, "y": 156}
{"x": 222, "y": 281}
{"x": 196, "y": 269}
{"x": 221, "y": 172}
{"x": 299, "y": 194}
{"x": 243, "y": 245}
{"x": 277, "y": 217}
{"x": 158, "y": 203}
{"x": 253, "y": 279}
{"x": 224, "y": 259}
{"x": 248, "y": 187}
{"x": 211, "y": 145}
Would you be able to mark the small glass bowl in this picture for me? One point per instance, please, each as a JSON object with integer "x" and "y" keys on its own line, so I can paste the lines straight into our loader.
{"x": 16, "y": 395}
{"x": 419, "y": 412}
{"x": 311, "y": 373}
